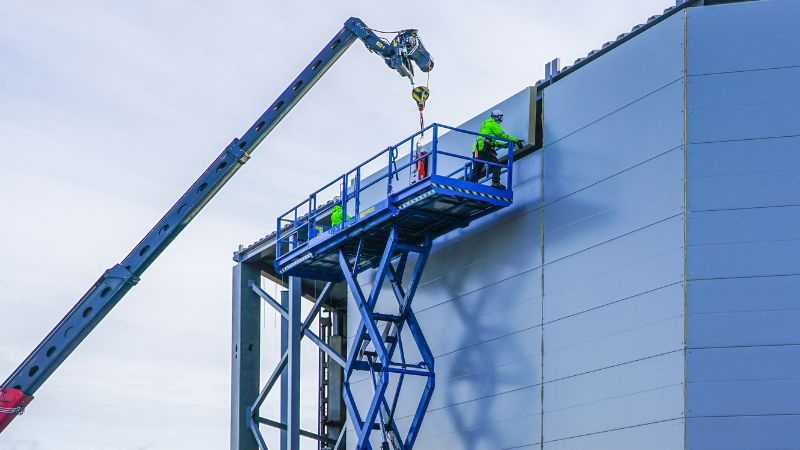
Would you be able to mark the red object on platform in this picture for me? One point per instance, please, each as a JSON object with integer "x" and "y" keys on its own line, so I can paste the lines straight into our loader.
{"x": 422, "y": 165}
{"x": 11, "y": 398}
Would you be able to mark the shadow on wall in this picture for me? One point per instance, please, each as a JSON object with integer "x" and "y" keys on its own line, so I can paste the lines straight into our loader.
{"x": 481, "y": 372}
{"x": 473, "y": 426}
{"x": 479, "y": 375}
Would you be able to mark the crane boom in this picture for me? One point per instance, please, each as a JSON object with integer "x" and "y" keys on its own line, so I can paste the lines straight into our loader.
{"x": 18, "y": 389}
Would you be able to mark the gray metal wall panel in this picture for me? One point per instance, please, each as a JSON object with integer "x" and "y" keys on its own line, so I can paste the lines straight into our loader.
{"x": 743, "y": 398}
{"x": 476, "y": 430}
{"x": 522, "y": 404}
{"x": 613, "y": 243}
{"x": 498, "y": 262}
{"x": 743, "y": 381}
{"x": 743, "y": 105}
{"x": 633, "y": 70}
{"x": 753, "y": 88}
{"x": 666, "y": 435}
{"x": 742, "y": 194}
{"x": 743, "y": 243}
{"x": 768, "y": 363}
{"x": 626, "y": 395}
{"x": 491, "y": 333}
{"x": 617, "y": 253}
{"x": 743, "y": 259}
{"x": 743, "y": 312}
{"x": 743, "y": 433}
{"x": 745, "y": 36}
{"x": 614, "y": 413}
{"x": 612, "y": 145}
{"x": 612, "y": 208}
{"x": 776, "y": 327}
{"x": 738, "y": 158}
{"x": 735, "y": 295}
{"x": 742, "y": 225}
{"x": 647, "y": 325}
{"x": 748, "y": 381}
{"x": 628, "y": 266}
{"x": 743, "y": 174}
{"x": 499, "y": 366}
{"x": 478, "y": 318}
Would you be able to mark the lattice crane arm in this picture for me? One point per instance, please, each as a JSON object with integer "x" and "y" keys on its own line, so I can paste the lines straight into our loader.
{"x": 17, "y": 391}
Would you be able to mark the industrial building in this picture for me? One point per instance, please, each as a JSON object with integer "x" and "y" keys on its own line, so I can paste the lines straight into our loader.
{"x": 618, "y": 271}
{"x": 638, "y": 293}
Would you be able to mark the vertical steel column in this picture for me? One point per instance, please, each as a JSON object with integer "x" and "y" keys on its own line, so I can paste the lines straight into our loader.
{"x": 336, "y": 407}
{"x": 293, "y": 365}
{"x": 284, "y": 379}
{"x": 246, "y": 355}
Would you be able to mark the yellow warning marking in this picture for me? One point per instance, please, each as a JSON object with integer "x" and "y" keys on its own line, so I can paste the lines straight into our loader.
{"x": 367, "y": 212}
{"x": 467, "y": 191}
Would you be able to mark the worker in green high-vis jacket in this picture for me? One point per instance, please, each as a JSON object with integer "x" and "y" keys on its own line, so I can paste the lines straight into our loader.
{"x": 336, "y": 216}
{"x": 486, "y": 149}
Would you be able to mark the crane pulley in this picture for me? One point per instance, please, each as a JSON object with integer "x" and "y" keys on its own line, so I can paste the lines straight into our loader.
{"x": 405, "y": 48}
{"x": 420, "y": 95}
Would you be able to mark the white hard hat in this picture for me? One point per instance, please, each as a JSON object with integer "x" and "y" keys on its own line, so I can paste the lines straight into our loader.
{"x": 497, "y": 113}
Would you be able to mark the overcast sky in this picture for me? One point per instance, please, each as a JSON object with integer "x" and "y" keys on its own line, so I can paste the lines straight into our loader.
{"x": 109, "y": 110}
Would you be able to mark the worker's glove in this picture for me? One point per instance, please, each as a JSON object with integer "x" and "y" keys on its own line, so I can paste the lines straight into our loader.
{"x": 520, "y": 143}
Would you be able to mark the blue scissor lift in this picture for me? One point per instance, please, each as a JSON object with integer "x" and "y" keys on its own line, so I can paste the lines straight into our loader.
{"x": 415, "y": 198}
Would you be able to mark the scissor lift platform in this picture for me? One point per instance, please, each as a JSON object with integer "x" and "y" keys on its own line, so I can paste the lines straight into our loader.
{"x": 430, "y": 204}
{"x": 410, "y": 201}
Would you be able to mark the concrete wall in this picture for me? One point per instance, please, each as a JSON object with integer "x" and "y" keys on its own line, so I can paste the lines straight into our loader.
{"x": 743, "y": 192}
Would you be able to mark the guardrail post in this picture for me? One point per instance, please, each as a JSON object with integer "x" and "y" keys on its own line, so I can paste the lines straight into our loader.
{"x": 510, "y": 165}
{"x": 344, "y": 199}
{"x": 312, "y": 209}
{"x": 413, "y": 150}
{"x": 278, "y": 239}
{"x": 434, "y": 148}
{"x": 358, "y": 192}
{"x": 389, "y": 171}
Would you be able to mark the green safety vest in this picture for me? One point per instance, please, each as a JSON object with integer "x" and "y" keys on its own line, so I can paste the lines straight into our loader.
{"x": 490, "y": 127}
{"x": 336, "y": 215}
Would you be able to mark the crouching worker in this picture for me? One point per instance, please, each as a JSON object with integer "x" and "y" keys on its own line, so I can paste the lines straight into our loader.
{"x": 336, "y": 216}
{"x": 485, "y": 149}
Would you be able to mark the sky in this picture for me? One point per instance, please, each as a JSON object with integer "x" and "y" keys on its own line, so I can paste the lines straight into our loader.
{"x": 110, "y": 109}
